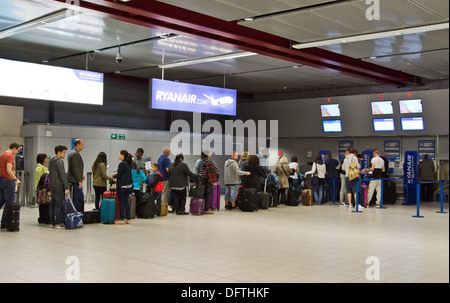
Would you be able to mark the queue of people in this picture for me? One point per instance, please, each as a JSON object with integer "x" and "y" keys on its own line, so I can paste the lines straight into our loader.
{"x": 168, "y": 182}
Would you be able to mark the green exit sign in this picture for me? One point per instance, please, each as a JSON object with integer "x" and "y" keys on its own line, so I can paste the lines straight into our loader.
{"x": 117, "y": 136}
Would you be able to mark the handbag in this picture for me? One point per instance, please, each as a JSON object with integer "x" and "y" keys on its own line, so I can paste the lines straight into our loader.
{"x": 315, "y": 178}
{"x": 197, "y": 190}
{"x": 43, "y": 196}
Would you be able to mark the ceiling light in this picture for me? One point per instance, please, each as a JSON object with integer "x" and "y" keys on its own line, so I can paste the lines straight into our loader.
{"x": 379, "y": 35}
{"x": 249, "y": 19}
{"x": 37, "y": 22}
{"x": 207, "y": 59}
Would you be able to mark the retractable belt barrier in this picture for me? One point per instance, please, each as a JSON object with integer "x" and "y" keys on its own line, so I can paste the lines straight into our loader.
{"x": 442, "y": 196}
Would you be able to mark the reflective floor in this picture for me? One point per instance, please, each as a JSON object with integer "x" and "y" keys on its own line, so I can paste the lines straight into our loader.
{"x": 316, "y": 244}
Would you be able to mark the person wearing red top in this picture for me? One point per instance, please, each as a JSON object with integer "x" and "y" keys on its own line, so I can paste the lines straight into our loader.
{"x": 8, "y": 179}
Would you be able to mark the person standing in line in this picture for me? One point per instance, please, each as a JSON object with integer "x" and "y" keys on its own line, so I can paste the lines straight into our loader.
{"x": 426, "y": 173}
{"x": 232, "y": 180}
{"x": 206, "y": 159}
{"x": 164, "y": 165}
{"x": 155, "y": 187}
{"x": 283, "y": 172}
{"x": 100, "y": 177}
{"x": 42, "y": 161}
{"x": 75, "y": 174}
{"x": 140, "y": 161}
{"x": 124, "y": 186}
{"x": 139, "y": 178}
{"x": 333, "y": 168}
{"x": 351, "y": 184}
{"x": 319, "y": 169}
{"x": 179, "y": 173}
{"x": 377, "y": 170}
{"x": 295, "y": 171}
{"x": 343, "y": 191}
{"x": 59, "y": 187}
{"x": 8, "y": 179}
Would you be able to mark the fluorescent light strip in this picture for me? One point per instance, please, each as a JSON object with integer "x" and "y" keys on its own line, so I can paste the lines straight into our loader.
{"x": 207, "y": 60}
{"x": 37, "y": 22}
{"x": 380, "y": 35}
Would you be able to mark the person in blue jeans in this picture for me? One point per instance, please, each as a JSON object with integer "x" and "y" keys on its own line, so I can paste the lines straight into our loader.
{"x": 124, "y": 186}
{"x": 8, "y": 179}
{"x": 319, "y": 170}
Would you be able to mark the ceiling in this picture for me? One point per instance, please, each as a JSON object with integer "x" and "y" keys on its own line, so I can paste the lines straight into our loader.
{"x": 205, "y": 28}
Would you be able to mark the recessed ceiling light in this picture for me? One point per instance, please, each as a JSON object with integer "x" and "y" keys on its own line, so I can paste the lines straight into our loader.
{"x": 249, "y": 19}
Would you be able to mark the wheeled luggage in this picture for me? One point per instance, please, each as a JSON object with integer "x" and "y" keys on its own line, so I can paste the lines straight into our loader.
{"x": 389, "y": 192}
{"x": 249, "y": 200}
{"x": 12, "y": 217}
{"x": 197, "y": 206}
{"x": 264, "y": 198}
{"x": 147, "y": 207}
{"x": 108, "y": 211}
{"x": 132, "y": 201}
{"x": 363, "y": 195}
{"x": 307, "y": 199}
{"x": 215, "y": 201}
{"x": 113, "y": 195}
{"x": 294, "y": 197}
{"x": 272, "y": 189}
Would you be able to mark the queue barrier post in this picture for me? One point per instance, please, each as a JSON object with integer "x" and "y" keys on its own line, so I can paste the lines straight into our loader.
{"x": 418, "y": 202}
{"x": 442, "y": 198}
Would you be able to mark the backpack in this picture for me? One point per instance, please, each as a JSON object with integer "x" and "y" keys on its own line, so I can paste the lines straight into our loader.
{"x": 211, "y": 174}
{"x": 353, "y": 171}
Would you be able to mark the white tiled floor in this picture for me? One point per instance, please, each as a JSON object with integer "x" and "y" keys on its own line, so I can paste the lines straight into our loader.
{"x": 302, "y": 244}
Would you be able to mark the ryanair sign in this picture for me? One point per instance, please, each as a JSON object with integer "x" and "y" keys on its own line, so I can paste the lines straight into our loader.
{"x": 169, "y": 95}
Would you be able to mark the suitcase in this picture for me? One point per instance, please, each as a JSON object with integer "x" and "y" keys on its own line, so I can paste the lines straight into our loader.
{"x": 91, "y": 217}
{"x": 44, "y": 214}
{"x": 294, "y": 197}
{"x": 249, "y": 200}
{"x": 113, "y": 195}
{"x": 264, "y": 198}
{"x": 164, "y": 209}
{"x": 108, "y": 211}
{"x": 147, "y": 207}
{"x": 12, "y": 216}
{"x": 389, "y": 192}
{"x": 363, "y": 195}
{"x": 132, "y": 202}
{"x": 215, "y": 202}
{"x": 272, "y": 188}
{"x": 197, "y": 206}
{"x": 307, "y": 199}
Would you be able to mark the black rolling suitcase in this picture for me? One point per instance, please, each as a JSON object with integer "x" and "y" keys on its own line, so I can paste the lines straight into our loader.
{"x": 249, "y": 200}
{"x": 389, "y": 192}
{"x": 12, "y": 217}
{"x": 264, "y": 198}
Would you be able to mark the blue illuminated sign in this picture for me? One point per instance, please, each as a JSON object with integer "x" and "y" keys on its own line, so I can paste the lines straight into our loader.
{"x": 169, "y": 95}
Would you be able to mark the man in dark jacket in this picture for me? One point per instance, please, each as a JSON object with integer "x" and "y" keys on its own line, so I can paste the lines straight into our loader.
{"x": 206, "y": 159}
{"x": 59, "y": 187}
{"x": 426, "y": 173}
{"x": 333, "y": 173}
{"x": 75, "y": 174}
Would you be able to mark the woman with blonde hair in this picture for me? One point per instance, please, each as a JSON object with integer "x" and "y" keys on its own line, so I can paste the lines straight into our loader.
{"x": 283, "y": 172}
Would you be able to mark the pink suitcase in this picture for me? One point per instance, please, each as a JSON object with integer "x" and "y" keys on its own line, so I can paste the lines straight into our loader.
{"x": 215, "y": 202}
{"x": 197, "y": 206}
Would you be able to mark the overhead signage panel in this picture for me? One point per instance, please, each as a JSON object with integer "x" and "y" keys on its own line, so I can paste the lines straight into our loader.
{"x": 176, "y": 96}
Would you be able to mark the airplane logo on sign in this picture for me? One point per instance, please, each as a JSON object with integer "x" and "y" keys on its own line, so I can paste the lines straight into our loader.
{"x": 220, "y": 102}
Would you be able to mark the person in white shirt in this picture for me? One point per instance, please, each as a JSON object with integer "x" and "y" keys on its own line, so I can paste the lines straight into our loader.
{"x": 319, "y": 169}
{"x": 295, "y": 169}
{"x": 377, "y": 171}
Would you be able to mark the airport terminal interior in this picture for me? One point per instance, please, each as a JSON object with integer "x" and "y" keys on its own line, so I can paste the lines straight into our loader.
{"x": 281, "y": 80}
